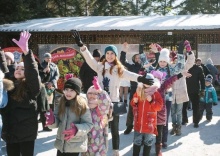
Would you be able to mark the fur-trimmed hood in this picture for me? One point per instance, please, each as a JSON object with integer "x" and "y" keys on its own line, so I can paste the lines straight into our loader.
{"x": 8, "y": 84}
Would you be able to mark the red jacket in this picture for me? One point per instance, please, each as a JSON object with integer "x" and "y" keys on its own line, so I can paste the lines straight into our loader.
{"x": 145, "y": 113}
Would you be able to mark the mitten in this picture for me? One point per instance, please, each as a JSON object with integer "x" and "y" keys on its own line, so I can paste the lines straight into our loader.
{"x": 77, "y": 38}
{"x": 180, "y": 48}
{"x": 49, "y": 118}
{"x": 70, "y": 133}
{"x": 105, "y": 82}
{"x": 145, "y": 81}
{"x": 96, "y": 83}
{"x": 187, "y": 46}
{"x": 23, "y": 41}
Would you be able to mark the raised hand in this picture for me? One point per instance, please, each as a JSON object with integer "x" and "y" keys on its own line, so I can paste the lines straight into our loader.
{"x": 49, "y": 118}
{"x": 77, "y": 38}
{"x": 125, "y": 47}
{"x": 155, "y": 47}
{"x": 146, "y": 81}
{"x": 70, "y": 133}
{"x": 96, "y": 83}
{"x": 23, "y": 41}
{"x": 180, "y": 47}
{"x": 188, "y": 46}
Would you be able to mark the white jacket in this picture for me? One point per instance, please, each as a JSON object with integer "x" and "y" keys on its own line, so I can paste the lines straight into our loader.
{"x": 114, "y": 83}
{"x": 179, "y": 87}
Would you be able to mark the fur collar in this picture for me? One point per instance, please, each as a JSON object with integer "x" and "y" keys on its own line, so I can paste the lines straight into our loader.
{"x": 8, "y": 84}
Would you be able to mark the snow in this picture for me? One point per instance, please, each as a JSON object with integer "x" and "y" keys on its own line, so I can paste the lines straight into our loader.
{"x": 202, "y": 141}
{"x": 126, "y": 23}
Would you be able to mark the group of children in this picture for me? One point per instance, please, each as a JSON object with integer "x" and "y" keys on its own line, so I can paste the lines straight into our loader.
{"x": 83, "y": 123}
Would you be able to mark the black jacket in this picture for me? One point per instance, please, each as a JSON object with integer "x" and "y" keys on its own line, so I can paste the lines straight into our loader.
{"x": 205, "y": 70}
{"x": 135, "y": 68}
{"x": 20, "y": 117}
{"x": 197, "y": 78}
{"x": 86, "y": 75}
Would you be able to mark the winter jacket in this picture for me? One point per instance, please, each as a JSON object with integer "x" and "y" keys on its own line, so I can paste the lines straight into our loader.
{"x": 20, "y": 117}
{"x": 196, "y": 82}
{"x": 179, "y": 88}
{"x": 86, "y": 75}
{"x": 54, "y": 72}
{"x": 145, "y": 113}
{"x": 210, "y": 95}
{"x": 213, "y": 70}
{"x": 111, "y": 81}
{"x": 79, "y": 142}
{"x": 98, "y": 136}
{"x": 42, "y": 102}
{"x": 205, "y": 70}
{"x": 3, "y": 92}
{"x": 135, "y": 68}
{"x": 162, "y": 114}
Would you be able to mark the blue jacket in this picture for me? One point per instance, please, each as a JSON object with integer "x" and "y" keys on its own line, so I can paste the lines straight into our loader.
{"x": 210, "y": 95}
{"x": 3, "y": 94}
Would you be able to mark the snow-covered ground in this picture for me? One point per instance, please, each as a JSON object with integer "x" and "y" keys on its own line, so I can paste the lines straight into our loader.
{"x": 202, "y": 141}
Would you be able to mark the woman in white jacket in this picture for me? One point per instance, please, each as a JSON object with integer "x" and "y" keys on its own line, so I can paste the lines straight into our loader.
{"x": 110, "y": 72}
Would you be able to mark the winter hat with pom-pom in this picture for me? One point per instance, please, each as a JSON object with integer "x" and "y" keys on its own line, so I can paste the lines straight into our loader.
{"x": 164, "y": 55}
{"x": 209, "y": 78}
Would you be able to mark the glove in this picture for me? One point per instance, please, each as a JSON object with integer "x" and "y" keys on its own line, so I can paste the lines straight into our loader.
{"x": 180, "y": 48}
{"x": 77, "y": 38}
{"x": 23, "y": 41}
{"x": 70, "y": 133}
{"x": 49, "y": 118}
{"x": 202, "y": 93}
{"x": 96, "y": 83}
{"x": 150, "y": 90}
{"x": 187, "y": 45}
{"x": 145, "y": 81}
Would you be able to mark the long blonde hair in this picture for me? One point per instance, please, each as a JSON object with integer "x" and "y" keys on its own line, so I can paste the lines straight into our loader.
{"x": 117, "y": 63}
{"x": 77, "y": 105}
{"x": 140, "y": 92}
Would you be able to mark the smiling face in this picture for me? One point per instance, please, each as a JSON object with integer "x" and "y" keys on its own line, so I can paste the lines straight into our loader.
{"x": 69, "y": 93}
{"x": 92, "y": 94}
{"x": 110, "y": 56}
{"x": 163, "y": 64}
{"x": 19, "y": 72}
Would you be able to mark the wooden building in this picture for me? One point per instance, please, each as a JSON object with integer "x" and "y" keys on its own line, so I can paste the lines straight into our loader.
{"x": 168, "y": 31}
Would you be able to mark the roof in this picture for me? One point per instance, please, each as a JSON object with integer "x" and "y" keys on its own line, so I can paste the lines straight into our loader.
{"x": 105, "y": 23}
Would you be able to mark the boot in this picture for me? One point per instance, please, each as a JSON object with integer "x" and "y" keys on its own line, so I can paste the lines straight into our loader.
{"x": 128, "y": 130}
{"x": 136, "y": 150}
{"x": 146, "y": 150}
{"x": 126, "y": 102}
{"x": 158, "y": 149}
{"x": 173, "y": 131}
{"x": 115, "y": 153}
{"x": 178, "y": 130}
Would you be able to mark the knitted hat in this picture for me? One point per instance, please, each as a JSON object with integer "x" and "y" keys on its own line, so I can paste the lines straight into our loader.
{"x": 21, "y": 64}
{"x": 96, "y": 53}
{"x": 209, "y": 78}
{"x": 198, "y": 59}
{"x": 10, "y": 55}
{"x": 74, "y": 83}
{"x": 164, "y": 55}
{"x": 112, "y": 48}
{"x": 47, "y": 55}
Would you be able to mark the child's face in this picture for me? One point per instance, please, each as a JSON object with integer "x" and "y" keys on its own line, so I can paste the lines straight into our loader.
{"x": 19, "y": 72}
{"x": 162, "y": 64}
{"x": 69, "y": 93}
{"x": 110, "y": 56}
{"x": 207, "y": 83}
{"x": 92, "y": 94}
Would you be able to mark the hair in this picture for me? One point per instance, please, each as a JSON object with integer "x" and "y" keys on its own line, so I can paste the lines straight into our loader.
{"x": 140, "y": 92}
{"x": 77, "y": 105}
{"x": 116, "y": 62}
{"x": 20, "y": 91}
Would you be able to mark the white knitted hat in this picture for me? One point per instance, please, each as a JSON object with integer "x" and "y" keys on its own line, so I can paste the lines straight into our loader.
{"x": 164, "y": 55}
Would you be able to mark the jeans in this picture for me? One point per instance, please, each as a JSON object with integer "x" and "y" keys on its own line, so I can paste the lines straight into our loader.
{"x": 165, "y": 128}
{"x": 143, "y": 139}
{"x": 176, "y": 113}
{"x": 115, "y": 132}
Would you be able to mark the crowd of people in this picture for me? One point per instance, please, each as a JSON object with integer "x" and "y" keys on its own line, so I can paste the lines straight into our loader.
{"x": 170, "y": 84}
